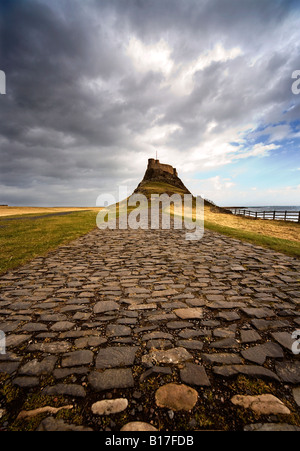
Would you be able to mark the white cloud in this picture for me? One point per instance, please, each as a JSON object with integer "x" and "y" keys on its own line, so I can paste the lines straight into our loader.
{"x": 178, "y": 77}
{"x": 217, "y": 150}
{"x": 183, "y": 80}
{"x": 277, "y": 132}
{"x": 218, "y": 183}
{"x": 153, "y": 57}
{"x": 258, "y": 150}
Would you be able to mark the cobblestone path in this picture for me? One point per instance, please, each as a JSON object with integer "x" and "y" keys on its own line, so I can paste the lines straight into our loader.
{"x": 165, "y": 330}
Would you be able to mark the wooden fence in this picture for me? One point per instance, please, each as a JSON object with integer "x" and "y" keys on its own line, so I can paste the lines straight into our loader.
{"x": 278, "y": 215}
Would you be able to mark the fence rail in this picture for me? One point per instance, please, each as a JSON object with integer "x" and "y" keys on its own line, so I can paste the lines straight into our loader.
{"x": 278, "y": 215}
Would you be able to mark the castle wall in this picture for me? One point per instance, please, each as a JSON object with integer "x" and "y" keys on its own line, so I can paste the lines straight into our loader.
{"x": 155, "y": 164}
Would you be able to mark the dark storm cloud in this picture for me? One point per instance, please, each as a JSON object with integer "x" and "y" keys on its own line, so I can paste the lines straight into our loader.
{"x": 78, "y": 107}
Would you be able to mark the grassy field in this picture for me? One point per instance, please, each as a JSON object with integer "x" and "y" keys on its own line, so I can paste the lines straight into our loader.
{"x": 16, "y": 211}
{"x": 286, "y": 246}
{"x": 22, "y": 240}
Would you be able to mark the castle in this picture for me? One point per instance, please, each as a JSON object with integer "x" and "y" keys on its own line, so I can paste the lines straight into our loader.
{"x": 156, "y": 165}
{"x": 161, "y": 173}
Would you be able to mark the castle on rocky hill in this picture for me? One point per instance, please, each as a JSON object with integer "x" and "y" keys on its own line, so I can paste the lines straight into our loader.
{"x": 161, "y": 173}
{"x": 156, "y": 165}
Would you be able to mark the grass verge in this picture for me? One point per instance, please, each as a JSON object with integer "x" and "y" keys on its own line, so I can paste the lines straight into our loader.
{"x": 23, "y": 240}
{"x": 289, "y": 247}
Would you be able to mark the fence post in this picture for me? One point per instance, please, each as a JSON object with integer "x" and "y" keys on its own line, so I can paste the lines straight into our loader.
{"x": 299, "y": 218}
{"x": 274, "y": 215}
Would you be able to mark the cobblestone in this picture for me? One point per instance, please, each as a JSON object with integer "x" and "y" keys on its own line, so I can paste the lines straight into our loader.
{"x": 118, "y": 310}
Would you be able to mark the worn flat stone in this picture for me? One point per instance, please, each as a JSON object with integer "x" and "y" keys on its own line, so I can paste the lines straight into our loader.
{"x": 189, "y": 313}
{"x": 262, "y": 404}
{"x": 105, "y": 306}
{"x": 176, "y": 397}
{"x": 138, "y": 426}
{"x": 227, "y": 343}
{"x": 150, "y": 306}
{"x": 225, "y": 333}
{"x": 115, "y": 378}
{"x": 36, "y": 368}
{"x": 89, "y": 342}
{"x": 229, "y": 316}
{"x": 13, "y": 341}
{"x": 74, "y": 390}
{"x": 258, "y": 354}
{"x": 109, "y": 406}
{"x": 117, "y": 330}
{"x": 190, "y": 333}
{"x": 249, "y": 336}
{"x": 34, "y": 327}
{"x": 178, "y": 325}
{"x": 194, "y": 375}
{"x": 62, "y": 326}
{"x": 190, "y": 344}
{"x": 259, "y": 312}
{"x": 159, "y": 344}
{"x": 284, "y": 339}
{"x": 77, "y": 358}
{"x": 262, "y": 324}
{"x": 157, "y": 335}
{"x": 288, "y": 371}
{"x": 8, "y": 367}
{"x": 246, "y": 370}
{"x": 57, "y": 347}
{"x": 170, "y": 356}
{"x": 116, "y": 356}
{"x": 223, "y": 359}
{"x": 162, "y": 293}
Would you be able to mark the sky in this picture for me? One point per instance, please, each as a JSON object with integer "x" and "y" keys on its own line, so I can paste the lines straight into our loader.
{"x": 95, "y": 87}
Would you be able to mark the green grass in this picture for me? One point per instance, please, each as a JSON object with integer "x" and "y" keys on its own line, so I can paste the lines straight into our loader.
{"x": 291, "y": 248}
{"x": 23, "y": 240}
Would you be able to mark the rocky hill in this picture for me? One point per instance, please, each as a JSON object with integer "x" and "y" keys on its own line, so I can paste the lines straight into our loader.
{"x": 161, "y": 178}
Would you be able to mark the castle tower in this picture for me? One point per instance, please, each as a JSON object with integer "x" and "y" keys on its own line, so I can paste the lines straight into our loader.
{"x": 156, "y": 165}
